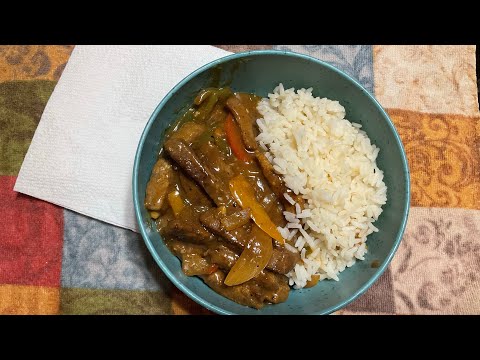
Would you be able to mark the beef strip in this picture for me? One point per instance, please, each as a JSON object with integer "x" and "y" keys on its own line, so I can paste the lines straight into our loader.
{"x": 180, "y": 248}
{"x": 187, "y": 227}
{"x": 252, "y": 293}
{"x": 211, "y": 219}
{"x": 223, "y": 256}
{"x": 187, "y": 231}
{"x": 210, "y": 154}
{"x": 192, "y": 192}
{"x": 274, "y": 209}
{"x": 191, "y": 164}
{"x": 282, "y": 260}
{"x": 250, "y": 101}
{"x": 277, "y": 184}
{"x": 236, "y": 219}
{"x": 192, "y": 256}
{"x": 245, "y": 122}
{"x": 157, "y": 186}
{"x": 275, "y": 181}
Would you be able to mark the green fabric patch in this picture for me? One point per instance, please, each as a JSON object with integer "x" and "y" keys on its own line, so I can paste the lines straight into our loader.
{"x": 21, "y": 106}
{"x": 113, "y": 302}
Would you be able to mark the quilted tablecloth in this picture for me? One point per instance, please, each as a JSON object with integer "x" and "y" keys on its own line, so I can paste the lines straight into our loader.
{"x": 55, "y": 261}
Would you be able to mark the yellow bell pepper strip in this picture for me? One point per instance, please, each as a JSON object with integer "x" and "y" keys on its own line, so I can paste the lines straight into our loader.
{"x": 312, "y": 282}
{"x": 253, "y": 260}
{"x": 176, "y": 202}
{"x": 243, "y": 193}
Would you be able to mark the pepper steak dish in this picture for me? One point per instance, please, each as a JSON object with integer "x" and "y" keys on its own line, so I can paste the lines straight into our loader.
{"x": 217, "y": 201}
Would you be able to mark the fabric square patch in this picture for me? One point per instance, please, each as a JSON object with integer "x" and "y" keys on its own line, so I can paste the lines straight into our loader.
{"x": 28, "y": 62}
{"x": 110, "y": 302}
{"x": 434, "y": 79}
{"x": 355, "y": 60}
{"x": 436, "y": 268}
{"x": 21, "y": 106}
{"x": 102, "y": 256}
{"x": 30, "y": 238}
{"x": 378, "y": 299}
{"x": 443, "y": 158}
{"x": 28, "y": 300}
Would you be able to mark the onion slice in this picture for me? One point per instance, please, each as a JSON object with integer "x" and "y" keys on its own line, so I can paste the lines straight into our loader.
{"x": 253, "y": 259}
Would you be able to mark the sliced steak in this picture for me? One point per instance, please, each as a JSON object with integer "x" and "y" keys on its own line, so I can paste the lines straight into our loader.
{"x": 264, "y": 289}
{"x": 192, "y": 165}
{"x": 157, "y": 186}
{"x": 277, "y": 184}
{"x": 193, "y": 193}
{"x": 282, "y": 260}
{"x": 187, "y": 227}
{"x": 211, "y": 219}
{"x": 193, "y": 258}
{"x": 275, "y": 181}
{"x": 223, "y": 256}
{"x": 210, "y": 154}
{"x": 245, "y": 121}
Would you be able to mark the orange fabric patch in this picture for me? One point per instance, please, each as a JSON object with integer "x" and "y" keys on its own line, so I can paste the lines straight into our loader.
{"x": 183, "y": 305}
{"x": 442, "y": 152}
{"x": 29, "y": 300}
{"x": 42, "y": 62}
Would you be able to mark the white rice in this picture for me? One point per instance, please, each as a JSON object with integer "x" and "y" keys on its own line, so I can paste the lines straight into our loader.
{"x": 289, "y": 198}
{"x": 332, "y": 164}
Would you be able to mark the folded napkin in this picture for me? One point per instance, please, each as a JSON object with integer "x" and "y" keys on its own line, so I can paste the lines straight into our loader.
{"x": 81, "y": 156}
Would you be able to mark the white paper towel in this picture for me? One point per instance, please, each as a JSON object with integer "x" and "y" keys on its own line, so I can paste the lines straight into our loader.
{"x": 81, "y": 156}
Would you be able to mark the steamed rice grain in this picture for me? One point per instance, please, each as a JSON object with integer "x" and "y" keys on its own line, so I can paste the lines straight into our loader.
{"x": 331, "y": 162}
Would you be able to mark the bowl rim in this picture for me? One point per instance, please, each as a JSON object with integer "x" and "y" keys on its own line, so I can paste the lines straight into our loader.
{"x": 137, "y": 204}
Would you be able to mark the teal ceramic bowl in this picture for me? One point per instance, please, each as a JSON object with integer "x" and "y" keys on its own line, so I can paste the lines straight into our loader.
{"x": 259, "y": 72}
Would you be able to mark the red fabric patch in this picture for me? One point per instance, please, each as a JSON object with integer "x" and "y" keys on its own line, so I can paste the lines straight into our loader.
{"x": 31, "y": 238}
